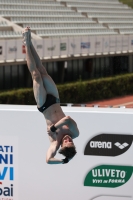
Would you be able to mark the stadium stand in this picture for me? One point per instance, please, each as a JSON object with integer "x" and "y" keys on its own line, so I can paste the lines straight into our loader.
{"x": 61, "y": 19}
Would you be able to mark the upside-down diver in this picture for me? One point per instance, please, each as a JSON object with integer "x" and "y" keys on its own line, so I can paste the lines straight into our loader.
{"x": 61, "y": 129}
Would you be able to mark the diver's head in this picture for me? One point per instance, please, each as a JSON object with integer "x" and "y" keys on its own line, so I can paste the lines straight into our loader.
{"x": 67, "y": 147}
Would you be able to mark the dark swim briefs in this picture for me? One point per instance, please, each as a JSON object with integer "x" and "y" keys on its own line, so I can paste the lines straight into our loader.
{"x": 50, "y": 100}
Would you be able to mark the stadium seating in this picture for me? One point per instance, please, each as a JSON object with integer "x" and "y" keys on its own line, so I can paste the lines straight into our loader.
{"x": 66, "y": 17}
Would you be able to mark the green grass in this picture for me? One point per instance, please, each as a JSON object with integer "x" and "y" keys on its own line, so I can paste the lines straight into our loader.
{"x": 128, "y": 2}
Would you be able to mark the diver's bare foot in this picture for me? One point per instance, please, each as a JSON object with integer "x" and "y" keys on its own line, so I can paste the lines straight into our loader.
{"x": 26, "y": 37}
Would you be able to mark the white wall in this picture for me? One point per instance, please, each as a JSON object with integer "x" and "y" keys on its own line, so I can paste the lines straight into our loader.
{"x": 24, "y": 128}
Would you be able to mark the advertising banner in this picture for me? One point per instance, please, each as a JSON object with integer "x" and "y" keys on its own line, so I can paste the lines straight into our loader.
{"x": 39, "y": 47}
{"x": 112, "y": 43}
{"x": 105, "y": 43}
{"x": 63, "y": 46}
{"x": 92, "y": 40}
{"x": 21, "y": 53}
{"x": 11, "y": 49}
{"x": 48, "y": 47}
{"x": 56, "y": 47}
{"x": 8, "y": 167}
{"x": 102, "y": 168}
{"x": 71, "y": 46}
{"x": 118, "y": 43}
{"x": 77, "y": 42}
{"x": 2, "y": 50}
{"x": 125, "y": 42}
{"x": 85, "y": 45}
{"x": 99, "y": 44}
{"x": 131, "y": 42}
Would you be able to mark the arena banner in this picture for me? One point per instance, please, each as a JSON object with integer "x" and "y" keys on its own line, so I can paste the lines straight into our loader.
{"x": 99, "y": 44}
{"x": 125, "y": 42}
{"x": 112, "y": 43}
{"x": 21, "y": 53}
{"x": 48, "y": 47}
{"x": 92, "y": 40}
{"x": 77, "y": 42}
{"x": 130, "y": 42}
{"x": 11, "y": 49}
{"x": 56, "y": 49}
{"x": 39, "y": 47}
{"x": 118, "y": 43}
{"x": 2, "y": 50}
{"x": 85, "y": 45}
{"x": 71, "y": 46}
{"x": 63, "y": 45}
{"x": 105, "y": 43}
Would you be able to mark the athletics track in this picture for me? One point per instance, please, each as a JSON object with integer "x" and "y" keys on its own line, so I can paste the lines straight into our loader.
{"x": 126, "y": 101}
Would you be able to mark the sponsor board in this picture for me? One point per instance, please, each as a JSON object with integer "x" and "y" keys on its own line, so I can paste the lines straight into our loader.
{"x": 12, "y": 49}
{"x": 108, "y": 145}
{"x": 51, "y": 48}
{"x": 63, "y": 46}
{"x": 8, "y": 168}
{"x": 110, "y": 176}
{"x": 85, "y": 45}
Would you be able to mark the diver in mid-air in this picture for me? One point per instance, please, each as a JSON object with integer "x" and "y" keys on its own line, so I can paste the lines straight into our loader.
{"x": 61, "y": 129}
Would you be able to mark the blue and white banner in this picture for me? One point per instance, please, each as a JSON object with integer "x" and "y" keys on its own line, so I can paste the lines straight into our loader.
{"x": 8, "y": 168}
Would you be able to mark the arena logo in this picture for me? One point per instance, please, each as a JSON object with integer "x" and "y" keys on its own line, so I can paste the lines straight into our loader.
{"x": 108, "y": 145}
{"x": 110, "y": 176}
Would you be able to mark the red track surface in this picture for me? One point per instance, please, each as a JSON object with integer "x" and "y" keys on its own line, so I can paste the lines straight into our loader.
{"x": 126, "y": 101}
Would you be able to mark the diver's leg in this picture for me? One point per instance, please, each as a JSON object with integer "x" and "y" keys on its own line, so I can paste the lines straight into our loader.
{"x": 38, "y": 87}
{"x": 47, "y": 80}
